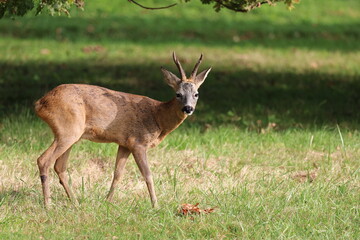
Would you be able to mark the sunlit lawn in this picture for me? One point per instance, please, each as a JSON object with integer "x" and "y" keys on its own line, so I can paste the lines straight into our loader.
{"x": 273, "y": 144}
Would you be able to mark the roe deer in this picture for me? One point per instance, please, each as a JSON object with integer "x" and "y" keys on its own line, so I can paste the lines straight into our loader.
{"x": 134, "y": 122}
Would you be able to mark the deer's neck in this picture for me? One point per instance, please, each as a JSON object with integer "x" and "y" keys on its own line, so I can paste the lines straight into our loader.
{"x": 169, "y": 116}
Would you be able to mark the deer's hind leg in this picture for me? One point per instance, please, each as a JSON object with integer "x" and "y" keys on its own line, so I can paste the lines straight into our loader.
{"x": 60, "y": 146}
{"x": 60, "y": 168}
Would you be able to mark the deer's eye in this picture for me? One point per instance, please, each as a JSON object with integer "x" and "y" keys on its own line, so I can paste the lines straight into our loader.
{"x": 178, "y": 95}
{"x": 196, "y": 95}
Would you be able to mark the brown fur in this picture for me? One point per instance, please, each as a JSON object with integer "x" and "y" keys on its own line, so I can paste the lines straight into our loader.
{"x": 134, "y": 122}
{"x": 102, "y": 115}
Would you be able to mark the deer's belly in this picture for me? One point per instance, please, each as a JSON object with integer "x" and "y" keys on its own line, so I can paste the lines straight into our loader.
{"x": 99, "y": 135}
{"x": 129, "y": 138}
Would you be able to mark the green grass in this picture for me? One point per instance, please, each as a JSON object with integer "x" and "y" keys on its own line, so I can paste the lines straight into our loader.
{"x": 274, "y": 143}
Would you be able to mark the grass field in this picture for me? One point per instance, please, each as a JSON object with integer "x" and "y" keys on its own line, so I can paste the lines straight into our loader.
{"x": 274, "y": 143}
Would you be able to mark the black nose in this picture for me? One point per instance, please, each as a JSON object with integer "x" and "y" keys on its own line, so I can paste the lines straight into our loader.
{"x": 188, "y": 109}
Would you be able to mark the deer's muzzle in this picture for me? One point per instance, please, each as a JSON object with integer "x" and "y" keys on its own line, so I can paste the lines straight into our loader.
{"x": 188, "y": 110}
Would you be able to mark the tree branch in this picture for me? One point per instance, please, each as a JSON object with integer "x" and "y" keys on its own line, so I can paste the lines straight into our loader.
{"x": 151, "y": 8}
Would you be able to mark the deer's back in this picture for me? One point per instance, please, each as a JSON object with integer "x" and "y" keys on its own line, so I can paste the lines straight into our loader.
{"x": 101, "y": 114}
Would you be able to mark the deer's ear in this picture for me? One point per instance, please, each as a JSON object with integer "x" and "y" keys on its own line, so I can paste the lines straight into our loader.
{"x": 171, "y": 79}
{"x": 200, "y": 78}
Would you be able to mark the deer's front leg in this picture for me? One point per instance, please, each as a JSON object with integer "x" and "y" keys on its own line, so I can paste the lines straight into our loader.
{"x": 139, "y": 154}
{"x": 121, "y": 158}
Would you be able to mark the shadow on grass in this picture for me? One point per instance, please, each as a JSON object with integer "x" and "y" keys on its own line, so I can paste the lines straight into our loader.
{"x": 11, "y": 196}
{"x": 242, "y": 98}
{"x": 166, "y": 29}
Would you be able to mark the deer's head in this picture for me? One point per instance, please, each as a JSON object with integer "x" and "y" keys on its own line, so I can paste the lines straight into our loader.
{"x": 186, "y": 89}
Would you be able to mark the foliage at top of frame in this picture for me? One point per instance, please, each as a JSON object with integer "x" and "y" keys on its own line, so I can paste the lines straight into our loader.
{"x": 14, "y": 8}
{"x": 245, "y": 5}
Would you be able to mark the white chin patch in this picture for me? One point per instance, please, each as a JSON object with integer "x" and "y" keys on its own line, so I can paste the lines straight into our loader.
{"x": 189, "y": 113}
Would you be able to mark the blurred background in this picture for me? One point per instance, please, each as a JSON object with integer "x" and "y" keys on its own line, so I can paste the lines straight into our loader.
{"x": 274, "y": 143}
{"x": 296, "y": 68}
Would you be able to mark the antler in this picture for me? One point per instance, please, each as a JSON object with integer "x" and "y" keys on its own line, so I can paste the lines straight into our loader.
{"x": 181, "y": 70}
{"x": 194, "y": 72}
